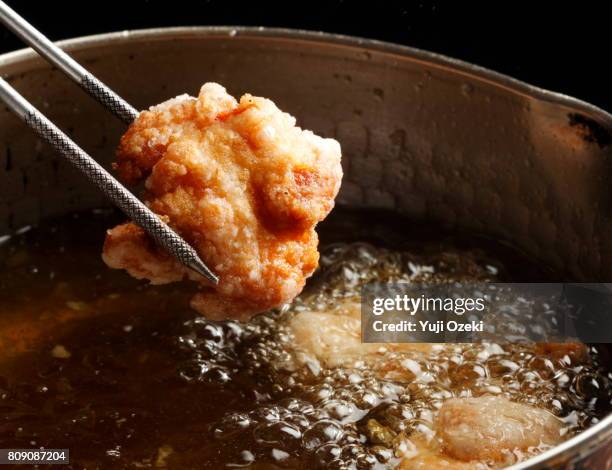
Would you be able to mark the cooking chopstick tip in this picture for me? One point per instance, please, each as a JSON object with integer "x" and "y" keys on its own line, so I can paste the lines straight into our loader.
{"x": 199, "y": 267}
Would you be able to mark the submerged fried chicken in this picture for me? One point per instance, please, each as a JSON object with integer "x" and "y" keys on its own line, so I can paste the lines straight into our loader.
{"x": 483, "y": 433}
{"x": 492, "y": 428}
{"x": 470, "y": 433}
{"x": 242, "y": 184}
{"x": 333, "y": 338}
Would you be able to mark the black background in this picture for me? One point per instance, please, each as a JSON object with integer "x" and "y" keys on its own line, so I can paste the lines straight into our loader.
{"x": 563, "y": 46}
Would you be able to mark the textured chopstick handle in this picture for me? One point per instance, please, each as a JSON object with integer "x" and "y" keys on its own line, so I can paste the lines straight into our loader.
{"x": 115, "y": 191}
{"x": 108, "y": 98}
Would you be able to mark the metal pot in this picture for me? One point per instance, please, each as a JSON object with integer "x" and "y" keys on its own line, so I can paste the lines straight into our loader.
{"x": 427, "y": 136}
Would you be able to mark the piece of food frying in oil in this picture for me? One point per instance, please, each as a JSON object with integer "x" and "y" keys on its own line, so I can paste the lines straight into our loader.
{"x": 126, "y": 375}
{"x": 242, "y": 184}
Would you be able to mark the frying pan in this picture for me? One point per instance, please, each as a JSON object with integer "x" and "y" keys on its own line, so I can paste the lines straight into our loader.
{"x": 423, "y": 135}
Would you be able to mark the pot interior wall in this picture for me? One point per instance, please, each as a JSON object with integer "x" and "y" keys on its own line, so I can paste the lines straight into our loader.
{"x": 424, "y": 138}
{"x": 421, "y": 135}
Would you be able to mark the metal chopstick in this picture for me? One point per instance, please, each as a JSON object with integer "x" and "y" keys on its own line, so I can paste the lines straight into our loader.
{"x": 41, "y": 44}
{"x": 135, "y": 209}
{"x": 114, "y": 190}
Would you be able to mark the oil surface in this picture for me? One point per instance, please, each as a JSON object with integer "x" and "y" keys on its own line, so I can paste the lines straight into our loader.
{"x": 126, "y": 376}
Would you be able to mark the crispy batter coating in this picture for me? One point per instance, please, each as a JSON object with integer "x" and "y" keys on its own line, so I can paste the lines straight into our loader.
{"x": 333, "y": 338}
{"x": 242, "y": 184}
{"x": 482, "y": 433}
{"x": 491, "y": 428}
{"x": 473, "y": 433}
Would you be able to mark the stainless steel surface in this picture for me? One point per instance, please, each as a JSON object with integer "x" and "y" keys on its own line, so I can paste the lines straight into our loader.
{"x": 115, "y": 191}
{"x": 13, "y": 100}
{"x": 423, "y": 135}
{"x": 67, "y": 64}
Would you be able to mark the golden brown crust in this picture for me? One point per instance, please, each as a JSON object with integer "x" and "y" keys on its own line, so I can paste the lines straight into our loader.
{"x": 492, "y": 428}
{"x": 242, "y": 184}
{"x": 574, "y": 351}
{"x": 129, "y": 245}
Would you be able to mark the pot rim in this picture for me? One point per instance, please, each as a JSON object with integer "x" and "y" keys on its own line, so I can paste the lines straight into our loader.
{"x": 437, "y": 60}
{"x": 579, "y": 445}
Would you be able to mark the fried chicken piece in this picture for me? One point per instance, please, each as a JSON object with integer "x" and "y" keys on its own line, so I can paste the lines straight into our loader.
{"x": 492, "y": 428}
{"x": 427, "y": 456}
{"x": 333, "y": 338}
{"x": 482, "y": 433}
{"x": 433, "y": 461}
{"x": 242, "y": 184}
{"x": 574, "y": 352}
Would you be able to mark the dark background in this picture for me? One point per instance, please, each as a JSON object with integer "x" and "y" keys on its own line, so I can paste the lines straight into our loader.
{"x": 563, "y": 46}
